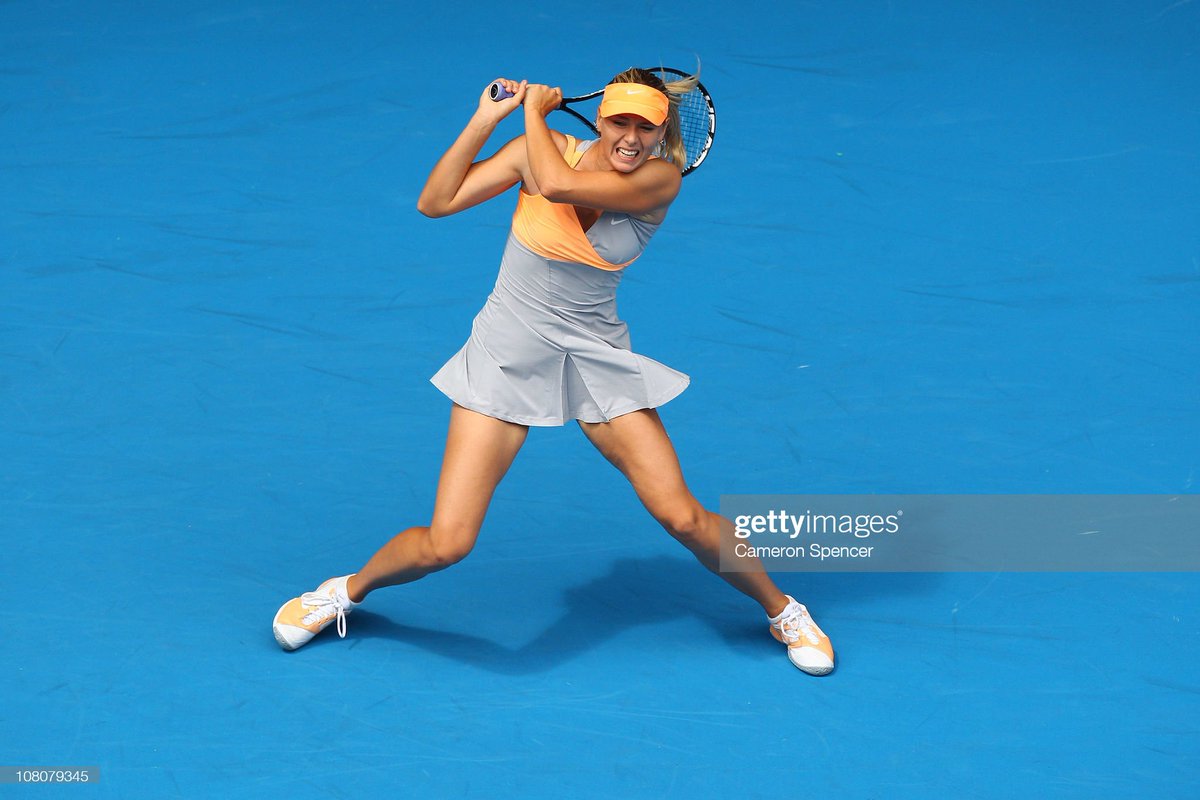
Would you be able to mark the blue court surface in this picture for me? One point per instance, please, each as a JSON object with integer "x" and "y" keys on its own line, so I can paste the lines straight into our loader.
{"x": 938, "y": 247}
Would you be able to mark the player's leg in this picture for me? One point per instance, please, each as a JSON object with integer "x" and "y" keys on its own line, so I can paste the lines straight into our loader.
{"x": 637, "y": 444}
{"x": 479, "y": 451}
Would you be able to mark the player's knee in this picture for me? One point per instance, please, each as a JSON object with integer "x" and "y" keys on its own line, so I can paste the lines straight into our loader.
{"x": 686, "y": 521}
{"x": 449, "y": 545}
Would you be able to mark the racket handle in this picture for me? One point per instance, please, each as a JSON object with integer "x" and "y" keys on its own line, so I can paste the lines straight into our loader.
{"x": 497, "y": 92}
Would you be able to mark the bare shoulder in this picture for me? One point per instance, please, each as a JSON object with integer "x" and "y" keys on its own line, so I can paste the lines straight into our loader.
{"x": 661, "y": 170}
{"x": 660, "y": 177}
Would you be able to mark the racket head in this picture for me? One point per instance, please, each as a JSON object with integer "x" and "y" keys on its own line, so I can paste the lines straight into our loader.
{"x": 697, "y": 116}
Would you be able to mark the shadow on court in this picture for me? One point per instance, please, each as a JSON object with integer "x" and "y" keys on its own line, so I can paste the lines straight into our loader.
{"x": 634, "y": 593}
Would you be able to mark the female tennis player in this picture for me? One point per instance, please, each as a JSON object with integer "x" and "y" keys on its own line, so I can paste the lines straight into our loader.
{"x": 548, "y": 346}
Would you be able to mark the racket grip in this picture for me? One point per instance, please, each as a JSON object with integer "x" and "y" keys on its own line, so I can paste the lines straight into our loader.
{"x": 497, "y": 92}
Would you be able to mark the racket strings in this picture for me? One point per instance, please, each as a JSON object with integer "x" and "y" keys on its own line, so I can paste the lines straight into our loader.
{"x": 697, "y": 118}
{"x": 695, "y": 125}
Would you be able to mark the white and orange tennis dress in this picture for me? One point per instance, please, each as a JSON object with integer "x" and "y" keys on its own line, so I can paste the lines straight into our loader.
{"x": 548, "y": 345}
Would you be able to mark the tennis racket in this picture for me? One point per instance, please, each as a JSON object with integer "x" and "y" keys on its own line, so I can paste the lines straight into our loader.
{"x": 697, "y": 115}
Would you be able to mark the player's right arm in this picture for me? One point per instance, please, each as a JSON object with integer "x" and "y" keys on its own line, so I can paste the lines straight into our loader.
{"x": 459, "y": 182}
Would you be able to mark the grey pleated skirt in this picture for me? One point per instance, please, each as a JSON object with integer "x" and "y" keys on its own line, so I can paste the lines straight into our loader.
{"x": 548, "y": 347}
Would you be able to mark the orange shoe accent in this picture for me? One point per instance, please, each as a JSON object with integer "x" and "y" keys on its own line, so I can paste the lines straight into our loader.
{"x": 301, "y": 618}
{"x": 809, "y": 649}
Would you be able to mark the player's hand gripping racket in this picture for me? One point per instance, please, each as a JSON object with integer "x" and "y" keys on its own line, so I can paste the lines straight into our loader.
{"x": 697, "y": 116}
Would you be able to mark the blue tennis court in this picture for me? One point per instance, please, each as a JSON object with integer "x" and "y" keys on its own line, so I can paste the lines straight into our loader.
{"x": 937, "y": 248}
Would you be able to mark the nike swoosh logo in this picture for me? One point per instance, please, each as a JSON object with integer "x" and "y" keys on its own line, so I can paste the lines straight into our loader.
{"x": 618, "y": 220}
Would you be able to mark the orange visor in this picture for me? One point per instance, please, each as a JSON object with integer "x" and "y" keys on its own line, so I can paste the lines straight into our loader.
{"x": 634, "y": 98}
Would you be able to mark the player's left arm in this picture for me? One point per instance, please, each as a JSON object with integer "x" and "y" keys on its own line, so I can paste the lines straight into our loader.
{"x": 649, "y": 188}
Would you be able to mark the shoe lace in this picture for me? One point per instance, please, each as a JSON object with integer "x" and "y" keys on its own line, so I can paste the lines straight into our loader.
{"x": 796, "y": 623}
{"x": 323, "y": 607}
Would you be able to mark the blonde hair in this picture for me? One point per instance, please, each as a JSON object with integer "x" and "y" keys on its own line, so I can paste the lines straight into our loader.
{"x": 672, "y": 148}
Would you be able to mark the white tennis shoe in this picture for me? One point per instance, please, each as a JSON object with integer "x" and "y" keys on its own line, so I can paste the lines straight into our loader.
{"x": 809, "y": 649}
{"x": 303, "y": 617}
